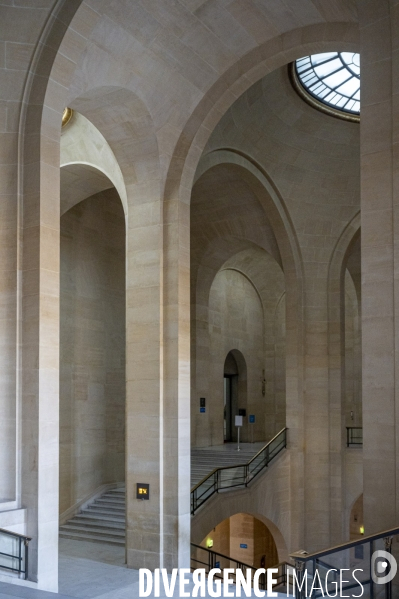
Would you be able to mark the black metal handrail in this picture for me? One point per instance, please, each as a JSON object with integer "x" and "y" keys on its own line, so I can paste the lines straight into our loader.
{"x": 340, "y": 557}
{"x": 229, "y": 477}
{"x": 354, "y": 436}
{"x": 21, "y": 556}
{"x": 207, "y": 559}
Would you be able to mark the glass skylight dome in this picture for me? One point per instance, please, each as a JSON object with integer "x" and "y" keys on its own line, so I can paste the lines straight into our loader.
{"x": 333, "y": 78}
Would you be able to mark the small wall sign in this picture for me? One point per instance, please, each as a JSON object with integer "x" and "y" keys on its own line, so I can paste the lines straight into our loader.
{"x": 202, "y": 402}
{"x": 143, "y": 491}
{"x": 217, "y": 564}
{"x": 252, "y": 419}
{"x": 202, "y": 410}
{"x": 243, "y": 546}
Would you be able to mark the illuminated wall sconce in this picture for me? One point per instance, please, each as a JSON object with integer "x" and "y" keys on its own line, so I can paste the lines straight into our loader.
{"x": 66, "y": 116}
{"x": 209, "y": 543}
{"x": 362, "y": 530}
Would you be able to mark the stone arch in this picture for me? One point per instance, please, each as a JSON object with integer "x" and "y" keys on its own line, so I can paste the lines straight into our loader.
{"x": 248, "y": 529}
{"x": 84, "y": 148}
{"x": 47, "y": 92}
{"x": 202, "y": 526}
{"x": 278, "y": 216}
{"x": 271, "y": 201}
{"x": 291, "y": 264}
{"x": 125, "y": 123}
{"x": 257, "y": 63}
{"x": 336, "y": 273}
{"x": 356, "y": 519}
{"x": 80, "y": 181}
{"x": 240, "y": 362}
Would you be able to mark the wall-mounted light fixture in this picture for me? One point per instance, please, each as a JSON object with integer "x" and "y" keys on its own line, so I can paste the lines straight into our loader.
{"x": 209, "y": 543}
{"x": 362, "y": 530}
{"x": 66, "y": 116}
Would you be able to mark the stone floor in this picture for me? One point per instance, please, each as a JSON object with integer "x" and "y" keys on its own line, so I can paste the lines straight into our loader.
{"x": 88, "y": 571}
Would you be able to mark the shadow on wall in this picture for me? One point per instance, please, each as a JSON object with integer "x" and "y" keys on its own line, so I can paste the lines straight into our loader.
{"x": 92, "y": 347}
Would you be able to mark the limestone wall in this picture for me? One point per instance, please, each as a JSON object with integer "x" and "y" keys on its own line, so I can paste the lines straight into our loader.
{"x": 92, "y": 353}
{"x": 236, "y": 323}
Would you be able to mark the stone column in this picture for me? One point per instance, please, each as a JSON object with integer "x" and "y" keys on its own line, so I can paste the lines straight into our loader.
{"x": 158, "y": 381}
{"x": 316, "y": 413}
{"x": 380, "y": 243}
{"x": 40, "y": 236}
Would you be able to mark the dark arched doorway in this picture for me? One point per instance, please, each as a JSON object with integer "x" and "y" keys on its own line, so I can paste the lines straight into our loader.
{"x": 235, "y": 393}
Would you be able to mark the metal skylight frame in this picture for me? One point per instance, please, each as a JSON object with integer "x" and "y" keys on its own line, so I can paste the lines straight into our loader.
{"x": 330, "y": 82}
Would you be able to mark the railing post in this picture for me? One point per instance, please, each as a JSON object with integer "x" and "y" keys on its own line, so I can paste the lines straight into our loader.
{"x": 371, "y": 580}
{"x": 388, "y": 585}
{"x": 26, "y": 543}
{"x": 217, "y": 481}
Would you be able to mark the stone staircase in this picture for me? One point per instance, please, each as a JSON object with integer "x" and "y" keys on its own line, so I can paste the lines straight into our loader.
{"x": 206, "y": 459}
{"x": 102, "y": 521}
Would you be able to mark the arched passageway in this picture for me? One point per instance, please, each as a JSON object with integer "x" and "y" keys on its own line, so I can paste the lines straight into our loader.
{"x": 92, "y": 349}
{"x": 244, "y": 538}
{"x": 234, "y": 392}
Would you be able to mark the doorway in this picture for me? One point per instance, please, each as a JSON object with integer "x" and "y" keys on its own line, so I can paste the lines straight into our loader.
{"x": 228, "y": 425}
{"x": 232, "y": 381}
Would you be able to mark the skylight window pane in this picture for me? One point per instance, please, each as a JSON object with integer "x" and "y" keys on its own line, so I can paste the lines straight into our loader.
{"x": 317, "y": 58}
{"x": 349, "y": 88}
{"x": 330, "y": 97}
{"x": 336, "y": 79}
{"x": 310, "y": 80}
{"x": 350, "y": 105}
{"x": 323, "y": 93}
{"x": 327, "y": 68}
{"x": 332, "y": 77}
{"x": 341, "y": 103}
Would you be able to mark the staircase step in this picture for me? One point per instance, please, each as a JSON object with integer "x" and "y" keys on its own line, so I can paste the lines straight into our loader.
{"x": 104, "y": 512}
{"x": 110, "y": 500}
{"x": 102, "y": 531}
{"x": 97, "y": 522}
{"x": 92, "y": 538}
{"x": 94, "y": 517}
{"x": 109, "y": 506}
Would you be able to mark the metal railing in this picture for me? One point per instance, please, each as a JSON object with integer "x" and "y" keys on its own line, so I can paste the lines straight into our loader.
{"x": 229, "y": 477}
{"x": 365, "y": 562}
{"x": 14, "y": 552}
{"x": 354, "y": 436}
{"x": 207, "y": 559}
